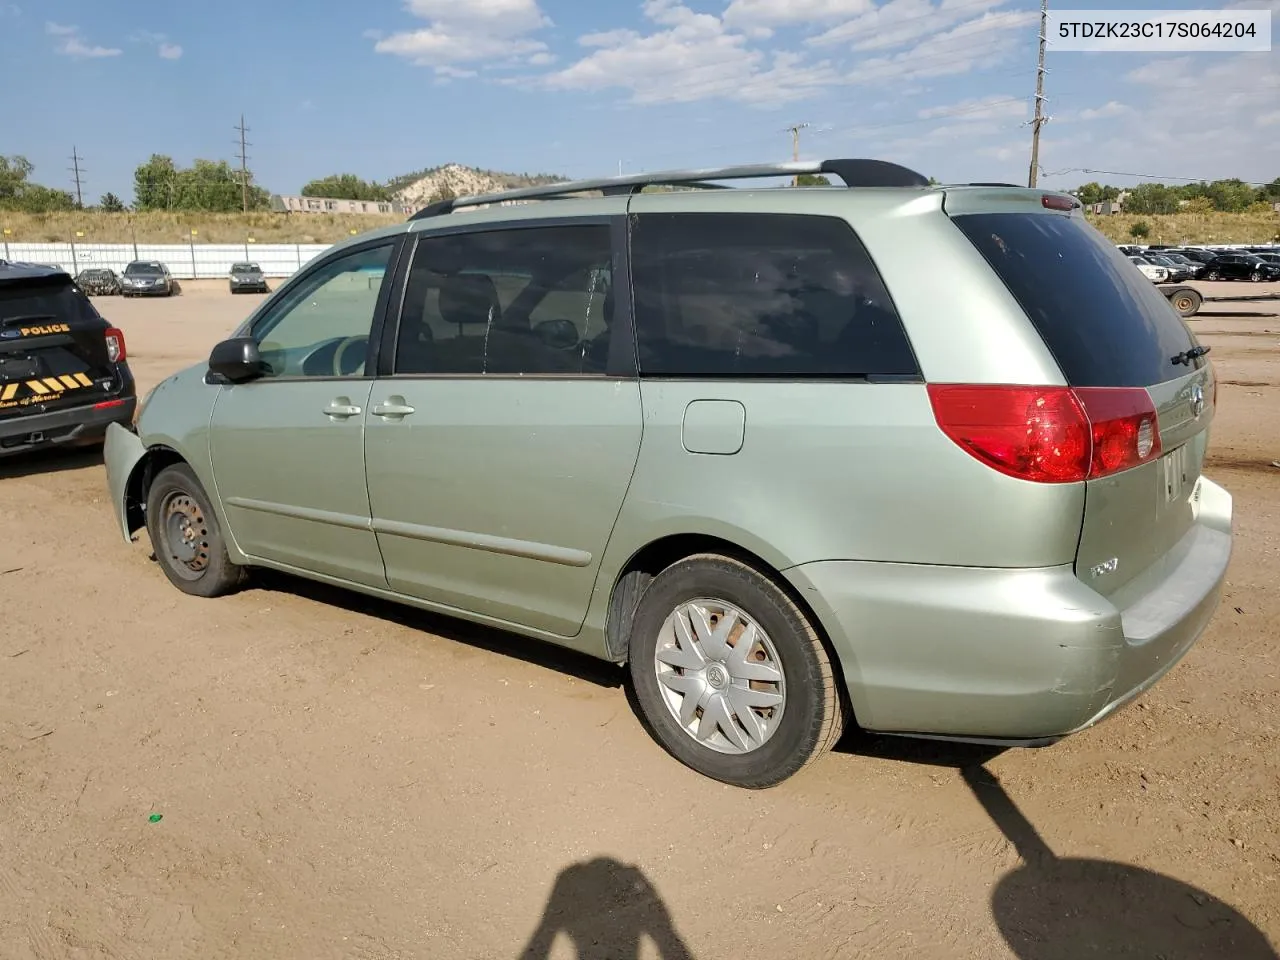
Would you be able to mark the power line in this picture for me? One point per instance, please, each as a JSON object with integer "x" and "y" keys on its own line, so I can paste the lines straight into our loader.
{"x": 244, "y": 165}
{"x": 1040, "y": 118}
{"x": 76, "y": 173}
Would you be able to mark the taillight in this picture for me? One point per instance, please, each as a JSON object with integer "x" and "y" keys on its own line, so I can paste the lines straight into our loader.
{"x": 115, "y": 345}
{"x": 1049, "y": 434}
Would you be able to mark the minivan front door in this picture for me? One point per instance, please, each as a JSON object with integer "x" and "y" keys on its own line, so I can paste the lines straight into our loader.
{"x": 288, "y": 448}
{"x": 500, "y": 446}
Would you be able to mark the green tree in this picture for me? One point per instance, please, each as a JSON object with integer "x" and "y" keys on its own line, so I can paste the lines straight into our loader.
{"x": 1152, "y": 198}
{"x": 212, "y": 185}
{"x": 155, "y": 183}
{"x": 1231, "y": 196}
{"x": 1198, "y": 205}
{"x": 346, "y": 186}
{"x": 110, "y": 203}
{"x": 1271, "y": 192}
{"x": 17, "y": 192}
{"x": 1140, "y": 230}
{"x": 1090, "y": 193}
{"x": 14, "y": 171}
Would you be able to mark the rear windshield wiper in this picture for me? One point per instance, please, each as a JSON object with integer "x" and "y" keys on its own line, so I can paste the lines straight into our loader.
{"x": 1188, "y": 355}
{"x": 27, "y": 318}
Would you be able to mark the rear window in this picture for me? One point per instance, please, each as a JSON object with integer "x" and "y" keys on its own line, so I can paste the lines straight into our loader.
{"x": 1104, "y": 321}
{"x": 761, "y": 295}
{"x": 43, "y": 300}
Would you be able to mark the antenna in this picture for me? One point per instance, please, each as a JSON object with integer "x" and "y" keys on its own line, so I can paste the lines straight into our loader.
{"x": 76, "y": 173}
{"x": 1040, "y": 119}
{"x": 244, "y": 165}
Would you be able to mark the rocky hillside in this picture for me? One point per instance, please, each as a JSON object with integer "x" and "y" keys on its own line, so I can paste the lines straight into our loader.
{"x": 454, "y": 179}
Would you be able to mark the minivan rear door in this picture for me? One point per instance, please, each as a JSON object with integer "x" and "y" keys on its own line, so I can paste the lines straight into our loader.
{"x": 1108, "y": 326}
{"x": 53, "y": 347}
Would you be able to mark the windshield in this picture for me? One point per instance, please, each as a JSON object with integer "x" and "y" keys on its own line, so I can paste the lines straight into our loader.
{"x": 45, "y": 298}
{"x": 143, "y": 269}
{"x": 245, "y": 268}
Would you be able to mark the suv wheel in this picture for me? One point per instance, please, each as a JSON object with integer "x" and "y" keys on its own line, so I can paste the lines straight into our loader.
{"x": 731, "y": 675}
{"x": 185, "y": 535}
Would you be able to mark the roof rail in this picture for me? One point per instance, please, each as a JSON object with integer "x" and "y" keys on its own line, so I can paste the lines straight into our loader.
{"x": 854, "y": 173}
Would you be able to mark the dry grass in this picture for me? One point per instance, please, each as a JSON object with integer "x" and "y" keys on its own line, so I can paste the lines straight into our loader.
{"x": 1192, "y": 227}
{"x": 166, "y": 227}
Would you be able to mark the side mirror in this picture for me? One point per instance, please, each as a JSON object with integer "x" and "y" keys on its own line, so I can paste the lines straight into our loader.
{"x": 237, "y": 360}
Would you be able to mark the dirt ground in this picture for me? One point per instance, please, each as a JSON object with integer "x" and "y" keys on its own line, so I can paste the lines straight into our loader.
{"x": 339, "y": 778}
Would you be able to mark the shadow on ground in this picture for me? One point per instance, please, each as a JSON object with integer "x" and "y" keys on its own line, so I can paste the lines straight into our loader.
{"x": 47, "y": 461}
{"x": 605, "y": 908}
{"x": 1068, "y": 908}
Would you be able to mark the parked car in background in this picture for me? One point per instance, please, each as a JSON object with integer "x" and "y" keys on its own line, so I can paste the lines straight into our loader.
{"x": 1193, "y": 267}
{"x": 1241, "y": 266}
{"x": 1177, "y": 271}
{"x": 581, "y": 420}
{"x": 64, "y": 376}
{"x": 1153, "y": 272}
{"x": 98, "y": 282}
{"x": 147, "y": 278}
{"x": 1198, "y": 254}
{"x": 1273, "y": 258}
{"x": 246, "y": 277}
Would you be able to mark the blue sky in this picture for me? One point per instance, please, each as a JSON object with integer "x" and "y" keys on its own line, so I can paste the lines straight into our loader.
{"x": 575, "y": 87}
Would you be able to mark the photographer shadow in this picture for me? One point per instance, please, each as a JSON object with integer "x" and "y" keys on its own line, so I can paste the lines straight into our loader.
{"x": 1068, "y": 908}
{"x": 606, "y": 908}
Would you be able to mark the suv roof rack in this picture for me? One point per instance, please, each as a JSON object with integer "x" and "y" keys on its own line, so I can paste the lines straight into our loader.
{"x": 854, "y": 173}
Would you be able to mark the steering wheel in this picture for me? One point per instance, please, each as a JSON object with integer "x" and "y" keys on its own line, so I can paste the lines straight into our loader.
{"x": 341, "y": 351}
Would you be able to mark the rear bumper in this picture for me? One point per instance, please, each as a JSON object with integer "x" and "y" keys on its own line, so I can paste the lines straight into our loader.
{"x": 73, "y": 427}
{"x": 1013, "y": 656}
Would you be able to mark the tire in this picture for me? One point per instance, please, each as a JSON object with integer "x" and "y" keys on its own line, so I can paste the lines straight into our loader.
{"x": 1186, "y": 302}
{"x": 1211, "y": 275}
{"x": 812, "y": 713}
{"x": 205, "y": 569}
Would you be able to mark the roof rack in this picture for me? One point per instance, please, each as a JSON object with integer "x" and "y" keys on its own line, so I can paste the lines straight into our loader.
{"x": 854, "y": 173}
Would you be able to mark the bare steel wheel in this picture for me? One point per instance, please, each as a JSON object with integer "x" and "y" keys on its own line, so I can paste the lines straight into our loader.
{"x": 730, "y": 674}
{"x": 185, "y": 535}
{"x": 721, "y": 676}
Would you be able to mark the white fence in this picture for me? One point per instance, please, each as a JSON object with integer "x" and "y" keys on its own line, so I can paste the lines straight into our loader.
{"x": 186, "y": 261}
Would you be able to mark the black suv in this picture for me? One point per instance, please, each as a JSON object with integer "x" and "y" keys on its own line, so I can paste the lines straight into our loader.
{"x": 63, "y": 373}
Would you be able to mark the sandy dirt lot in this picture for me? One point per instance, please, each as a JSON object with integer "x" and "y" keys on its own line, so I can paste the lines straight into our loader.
{"x": 339, "y": 778}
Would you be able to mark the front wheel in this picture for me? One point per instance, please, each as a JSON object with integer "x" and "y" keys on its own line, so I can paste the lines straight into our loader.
{"x": 186, "y": 537}
{"x": 731, "y": 675}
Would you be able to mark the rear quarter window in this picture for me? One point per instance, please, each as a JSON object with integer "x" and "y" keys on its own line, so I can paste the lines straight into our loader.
{"x": 740, "y": 295}
{"x": 1104, "y": 322}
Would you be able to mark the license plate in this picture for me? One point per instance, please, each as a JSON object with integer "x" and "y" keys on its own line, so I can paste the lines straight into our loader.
{"x": 1176, "y": 471}
{"x": 18, "y": 368}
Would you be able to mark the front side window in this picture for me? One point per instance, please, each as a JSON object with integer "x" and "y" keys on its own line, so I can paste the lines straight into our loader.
{"x": 531, "y": 300}
{"x": 321, "y": 326}
{"x": 761, "y": 295}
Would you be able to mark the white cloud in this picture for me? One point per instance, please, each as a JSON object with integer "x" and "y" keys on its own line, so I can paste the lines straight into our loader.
{"x": 744, "y": 13}
{"x": 446, "y": 71}
{"x": 899, "y": 22}
{"x": 542, "y": 59}
{"x": 164, "y": 49}
{"x": 170, "y": 51}
{"x": 979, "y": 108}
{"x": 1112, "y": 108}
{"x": 71, "y": 44}
{"x": 467, "y": 31}
{"x": 695, "y": 58}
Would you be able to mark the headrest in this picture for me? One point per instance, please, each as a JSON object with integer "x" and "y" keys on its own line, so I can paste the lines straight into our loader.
{"x": 469, "y": 298}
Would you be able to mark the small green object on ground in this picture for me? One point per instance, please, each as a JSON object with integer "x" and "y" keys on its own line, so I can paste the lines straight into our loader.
{"x": 155, "y": 818}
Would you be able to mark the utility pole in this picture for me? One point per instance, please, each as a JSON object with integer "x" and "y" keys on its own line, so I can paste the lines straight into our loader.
{"x": 76, "y": 171}
{"x": 1040, "y": 119}
{"x": 794, "y": 130}
{"x": 244, "y": 166}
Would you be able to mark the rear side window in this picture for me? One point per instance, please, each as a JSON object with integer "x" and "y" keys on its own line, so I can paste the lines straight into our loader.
{"x": 1104, "y": 322}
{"x": 761, "y": 295}
{"x": 43, "y": 300}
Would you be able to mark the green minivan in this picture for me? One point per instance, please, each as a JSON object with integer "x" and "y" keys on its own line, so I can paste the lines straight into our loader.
{"x": 921, "y": 459}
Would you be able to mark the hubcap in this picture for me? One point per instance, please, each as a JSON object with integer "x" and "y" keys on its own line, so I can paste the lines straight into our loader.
{"x": 186, "y": 535}
{"x": 720, "y": 676}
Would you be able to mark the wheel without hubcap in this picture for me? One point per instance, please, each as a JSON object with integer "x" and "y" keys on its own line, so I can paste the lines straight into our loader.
{"x": 185, "y": 535}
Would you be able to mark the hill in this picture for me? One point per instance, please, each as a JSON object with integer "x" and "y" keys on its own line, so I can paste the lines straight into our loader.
{"x": 460, "y": 181}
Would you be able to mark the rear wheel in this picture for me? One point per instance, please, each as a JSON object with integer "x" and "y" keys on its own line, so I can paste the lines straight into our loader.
{"x": 185, "y": 535}
{"x": 1186, "y": 302}
{"x": 731, "y": 675}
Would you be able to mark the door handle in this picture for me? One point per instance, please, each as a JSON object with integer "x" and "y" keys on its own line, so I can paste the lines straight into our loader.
{"x": 340, "y": 408}
{"x": 393, "y": 409}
